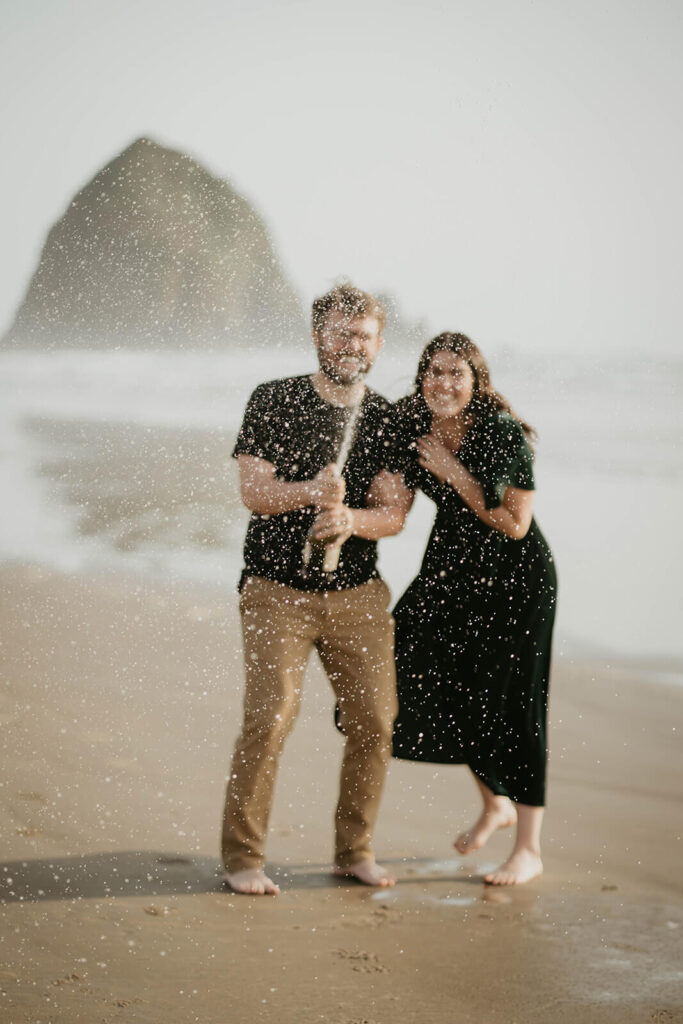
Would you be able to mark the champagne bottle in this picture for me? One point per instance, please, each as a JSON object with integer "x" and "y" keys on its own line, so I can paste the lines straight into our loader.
{"x": 324, "y": 554}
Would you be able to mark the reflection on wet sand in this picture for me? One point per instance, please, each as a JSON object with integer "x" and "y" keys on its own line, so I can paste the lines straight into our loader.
{"x": 134, "y": 486}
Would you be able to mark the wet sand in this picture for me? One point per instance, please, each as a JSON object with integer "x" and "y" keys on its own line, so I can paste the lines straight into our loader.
{"x": 120, "y": 701}
{"x": 132, "y": 486}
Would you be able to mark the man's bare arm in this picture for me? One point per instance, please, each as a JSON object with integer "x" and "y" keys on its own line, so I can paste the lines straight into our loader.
{"x": 263, "y": 493}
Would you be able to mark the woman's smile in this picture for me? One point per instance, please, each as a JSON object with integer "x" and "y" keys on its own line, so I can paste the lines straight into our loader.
{"x": 448, "y": 385}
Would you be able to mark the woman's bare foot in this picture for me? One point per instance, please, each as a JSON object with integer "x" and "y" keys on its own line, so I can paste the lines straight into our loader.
{"x": 251, "y": 882}
{"x": 521, "y": 867}
{"x": 368, "y": 872}
{"x": 501, "y": 814}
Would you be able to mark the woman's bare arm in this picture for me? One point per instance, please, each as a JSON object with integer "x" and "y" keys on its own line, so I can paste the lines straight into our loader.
{"x": 512, "y": 517}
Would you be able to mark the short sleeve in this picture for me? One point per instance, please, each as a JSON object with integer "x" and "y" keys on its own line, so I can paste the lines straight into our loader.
{"x": 256, "y": 426}
{"x": 506, "y": 459}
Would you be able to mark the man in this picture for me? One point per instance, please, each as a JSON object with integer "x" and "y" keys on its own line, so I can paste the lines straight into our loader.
{"x": 292, "y": 599}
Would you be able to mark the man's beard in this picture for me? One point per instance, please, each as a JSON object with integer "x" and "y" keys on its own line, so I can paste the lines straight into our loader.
{"x": 329, "y": 367}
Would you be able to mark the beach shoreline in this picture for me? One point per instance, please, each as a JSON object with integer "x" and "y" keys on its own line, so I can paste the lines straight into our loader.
{"x": 120, "y": 702}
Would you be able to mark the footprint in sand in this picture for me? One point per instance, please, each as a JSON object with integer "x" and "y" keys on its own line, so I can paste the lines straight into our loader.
{"x": 37, "y": 798}
{"x": 68, "y": 979}
{"x": 382, "y": 915}
{"x": 366, "y": 963}
{"x": 154, "y": 911}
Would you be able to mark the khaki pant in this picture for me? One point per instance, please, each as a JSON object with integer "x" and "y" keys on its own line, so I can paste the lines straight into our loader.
{"x": 353, "y": 632}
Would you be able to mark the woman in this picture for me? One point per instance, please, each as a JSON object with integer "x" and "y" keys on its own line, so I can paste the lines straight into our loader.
{"x": 474, "y": 629}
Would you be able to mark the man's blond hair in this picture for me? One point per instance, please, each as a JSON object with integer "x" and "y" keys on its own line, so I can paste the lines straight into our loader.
{"x": 350, "y": 301}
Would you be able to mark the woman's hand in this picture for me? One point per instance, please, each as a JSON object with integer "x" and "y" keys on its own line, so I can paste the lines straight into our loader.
{"x": 512, "y": 517}
{"x": 437, "y": 458}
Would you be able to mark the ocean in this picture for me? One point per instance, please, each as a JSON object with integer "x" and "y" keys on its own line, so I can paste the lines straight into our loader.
{"x": 120, "y": 460}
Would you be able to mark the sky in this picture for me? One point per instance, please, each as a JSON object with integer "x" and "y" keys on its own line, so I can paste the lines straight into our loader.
{"x": 511, "y": 170}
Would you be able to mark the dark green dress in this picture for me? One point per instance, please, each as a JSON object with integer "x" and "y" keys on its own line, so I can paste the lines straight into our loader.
{"x": 474, "y": 628}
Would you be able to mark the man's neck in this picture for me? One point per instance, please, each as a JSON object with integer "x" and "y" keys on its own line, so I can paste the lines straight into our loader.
{"x": 337, "y": 394}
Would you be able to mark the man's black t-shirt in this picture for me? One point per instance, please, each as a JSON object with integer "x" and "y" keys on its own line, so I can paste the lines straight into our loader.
{"x": 289, "y": 425}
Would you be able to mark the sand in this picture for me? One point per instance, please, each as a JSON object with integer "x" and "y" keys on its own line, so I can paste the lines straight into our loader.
{"x": 120, "y": 702}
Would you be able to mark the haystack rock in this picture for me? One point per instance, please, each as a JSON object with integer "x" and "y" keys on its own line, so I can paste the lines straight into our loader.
{"x": 156, "y": 251}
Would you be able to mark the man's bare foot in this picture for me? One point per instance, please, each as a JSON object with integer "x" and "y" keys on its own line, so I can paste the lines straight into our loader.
{"x": 502, "y": 814}
{"x": 368, "y": 872}
{"x": 521, "y": 867}
{"x": 251, "y": 882}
